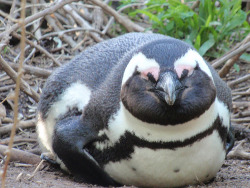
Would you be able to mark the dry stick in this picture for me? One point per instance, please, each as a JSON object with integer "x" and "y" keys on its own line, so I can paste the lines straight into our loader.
{"x": 17, "y": 91}
{"x": 97, "y": 18}
{"x": 241, "y": 93}
{"x": 56, "y": 5}
{"x": 195, "y": 5}
{"x": 127, "y": 23}
{"x": 238, "y": 152}
{"x": 35, "y": 171}
{"x": 36, "y": 25}
{"x": 22, "y": 124}
{"x": 6, "y": 36}
{"x": 13, "y": 75}
{"x": 7, "y": 87}
{"x": 233, "y": 53}
{"x": 230, "y": 51}
{"x": 111, "y": 20}
{"x": 242, "y": 114}
{"x": 8, "y": 2}
{"x": 83, "y": 23}
{"x": 38, "y": 47}
{"x": 64, "y": 37}
{"x": 241, "y": 88}
{"x": 32, "y": 70}
{"x": 21, "y": 156}
{"x": 17, "y": 140}
{"x": 8, "y": 16}
{"x": 59, "y": 33}
{"x": 226, "y": 68}
{"x": 239, "y": 80}
{"x": 241, "y": 120}
{"x": 85, "y": 12}
{"x": 241, "y": 104}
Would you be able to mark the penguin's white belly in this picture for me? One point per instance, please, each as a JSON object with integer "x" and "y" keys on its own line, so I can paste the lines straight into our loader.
{"x": 194, "y": 163}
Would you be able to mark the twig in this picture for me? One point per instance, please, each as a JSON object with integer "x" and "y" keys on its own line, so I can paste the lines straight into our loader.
{"x": 17, "y": 91}
{"x": 225, "y": 69}
{"x": 17, "y": 140}
{"x": 111, "y": 20}
{"x": 65, "y": 37}
{"x": 21, "y": 156}
{"x": 239, "y": 104}
{"x": 33, "y": 70}
{"x": 241, "y": 88}
{"x": 238, "y": 152}
{"x": 35, "y": 171}
{"x": 59, "y": 33}
{"x": 241, "y": 93}
{"x": 242, "y": 114}
{"x": 38, "y": 47}
{"x": 36, "y": 25}
{"x": 195, "y": 5}
{"x": 13, "y": 75}
{"x": 241, "y": 120}
{"x": 239, "y": 80}
{"x": 8, "y": 16}
{"x": 7, "y": 87}
{"x": 83, "y": 23}
{"x": 127, "y": 23}
{"x": 221, "y": 60}
{"x": 22, "y": 124}
{"x": 56, "y": 5}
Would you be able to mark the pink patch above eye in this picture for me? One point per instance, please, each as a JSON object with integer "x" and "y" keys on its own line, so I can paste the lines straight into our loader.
{"x": 153, "y": 70}
{"x": 180, "y": 68}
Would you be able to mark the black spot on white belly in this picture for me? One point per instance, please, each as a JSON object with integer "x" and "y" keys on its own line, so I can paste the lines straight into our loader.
{"x": 176, "y": 170}
{"x": 134, "y": 169}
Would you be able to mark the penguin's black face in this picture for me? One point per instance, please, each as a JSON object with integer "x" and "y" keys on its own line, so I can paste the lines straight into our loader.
{"x": 168, "y": 95}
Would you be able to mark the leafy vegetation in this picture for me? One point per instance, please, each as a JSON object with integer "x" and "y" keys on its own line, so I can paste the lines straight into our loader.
{"x": 210, "y": 28}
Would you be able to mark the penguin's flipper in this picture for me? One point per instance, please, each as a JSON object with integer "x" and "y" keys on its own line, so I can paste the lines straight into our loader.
{"x": 69, "y": 143}
{"x": 230, "y": 140}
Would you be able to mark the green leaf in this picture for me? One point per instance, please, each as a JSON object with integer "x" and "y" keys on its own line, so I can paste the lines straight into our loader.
{"x": 150, "y": 15}
{"x": 214, "y": 23}
{"x": 5, "y": 50}
{"x": 245, "y": 57}
{"x": 206, "y": 46}
{"x": 237, "y": 67}
{"x": 170, "y": 26}
{"x": 198, "y": 42}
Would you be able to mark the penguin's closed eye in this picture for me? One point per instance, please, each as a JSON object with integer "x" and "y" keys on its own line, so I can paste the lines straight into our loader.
{"x": 151, "y": 77}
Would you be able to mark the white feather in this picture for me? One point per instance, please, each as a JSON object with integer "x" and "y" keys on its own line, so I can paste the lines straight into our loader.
{"x": 141, "y": 62}
{"x": 196, "y": 163}
{"x": 123, "y": 121}
{"x": 191, "y": 58}
{"x": 75, "y": 96}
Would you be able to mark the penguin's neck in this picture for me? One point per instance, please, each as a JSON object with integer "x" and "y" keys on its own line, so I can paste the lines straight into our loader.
{"x": 123, "y": 121}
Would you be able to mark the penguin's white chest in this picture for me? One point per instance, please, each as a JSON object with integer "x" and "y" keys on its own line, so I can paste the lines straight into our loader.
{"x": 194, "y": 163}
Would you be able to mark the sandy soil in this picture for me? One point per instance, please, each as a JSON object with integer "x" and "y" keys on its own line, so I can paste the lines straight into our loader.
{"x": 234, "y": 173}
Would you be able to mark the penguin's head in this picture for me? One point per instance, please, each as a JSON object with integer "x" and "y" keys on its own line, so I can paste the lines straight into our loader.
{"x": 167, "y": 82}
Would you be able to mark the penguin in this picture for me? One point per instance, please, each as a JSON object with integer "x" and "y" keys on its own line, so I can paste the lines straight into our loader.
{"x": 140, "y": 109}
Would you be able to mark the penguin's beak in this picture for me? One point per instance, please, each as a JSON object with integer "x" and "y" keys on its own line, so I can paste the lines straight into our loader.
{"x": 167, "y": 87}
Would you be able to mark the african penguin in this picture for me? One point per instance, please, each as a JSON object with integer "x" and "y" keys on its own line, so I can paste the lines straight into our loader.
{"x": 140, "y": 109}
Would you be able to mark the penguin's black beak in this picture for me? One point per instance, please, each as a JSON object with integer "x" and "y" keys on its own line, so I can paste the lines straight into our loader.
{"x": 168, "y": 87}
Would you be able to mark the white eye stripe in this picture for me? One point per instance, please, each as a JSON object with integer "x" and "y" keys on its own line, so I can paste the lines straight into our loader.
{"x": 139, "y": 62}
{"x": 192, "y": 58}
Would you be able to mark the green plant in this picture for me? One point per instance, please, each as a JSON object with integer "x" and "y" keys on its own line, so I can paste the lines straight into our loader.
{"x": 210, "y": 28}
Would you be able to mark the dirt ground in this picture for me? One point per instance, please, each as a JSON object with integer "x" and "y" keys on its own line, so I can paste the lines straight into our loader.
{"x": 234, "y": 173}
